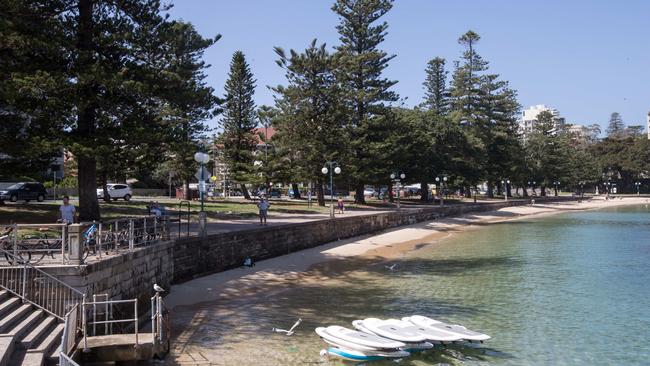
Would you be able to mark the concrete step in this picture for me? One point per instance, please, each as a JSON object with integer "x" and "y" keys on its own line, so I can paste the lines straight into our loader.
{"x": 37, "y": 356}
{"x": 4, "y": 294}
{"x": 37, "y": 333}
{"x": 53, "y": 339}
{"x": 15, "y": 316}
{"x": 8, "y": 304}
{"x": 6, "y": 349}
{"x": 53, "y": 357}
{"x": 24, "y": 327}
{"x": 32, "y": 359}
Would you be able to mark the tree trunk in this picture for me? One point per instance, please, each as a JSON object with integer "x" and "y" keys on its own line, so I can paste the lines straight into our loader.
{"x": 525, "y": 191}
{"x": 359, "y": 197}
{"x": 555, "y": 188}
{"x": 542, "y": 191}
{"x": 391, "y": 197}
{"x": 107, "y": 197}
{"x": 490, "y": 190}
{"x": 320, "y": 194}
{"x": 424, "y": 191}
{"x": 187, "y": 194}
{"x": 87, "y": 166}
{"x": 296, "y": 192}
{"x": 247, "y": 196}
{"x": 468, "y": 192}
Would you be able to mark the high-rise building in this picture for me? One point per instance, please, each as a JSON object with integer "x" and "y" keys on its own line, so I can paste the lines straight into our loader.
{"x": 529, "y": 118}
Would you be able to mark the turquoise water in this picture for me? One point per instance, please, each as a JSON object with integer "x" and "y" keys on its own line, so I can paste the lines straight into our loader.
{"x": 569, "y": 289}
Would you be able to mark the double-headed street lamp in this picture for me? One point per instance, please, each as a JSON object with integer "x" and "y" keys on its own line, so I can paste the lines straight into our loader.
{"x": 556, "y": 184}
{"x": 505, "y": 183}
{"x": 334, "y": 168}
{"x": 638, "y": 188}
{"x": 439, "y": 185}
{"x": 531, "y": 184}
{"x": 397, "y": 178}
{"x": 610, "y": 186}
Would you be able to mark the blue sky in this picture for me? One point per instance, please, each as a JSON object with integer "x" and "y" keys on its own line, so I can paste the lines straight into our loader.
{"x": 585, "y": 58}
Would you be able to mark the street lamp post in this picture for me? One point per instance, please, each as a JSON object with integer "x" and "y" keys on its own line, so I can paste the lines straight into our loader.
{"x": 397, "y": 178}
{"x": 531, "y": 184}
{"x": 556, "y": 184}
{"x": 202, "y": 158}
{"x": 333, "y": 168}
{"x": 440, "y": 185}
{"x": 638, "y": 188}
{"x": 582, "y": 189}
{"x": 505, "y": 183}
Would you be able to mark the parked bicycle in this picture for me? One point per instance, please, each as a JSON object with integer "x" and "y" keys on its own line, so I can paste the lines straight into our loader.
{"x": 22, "y": 253}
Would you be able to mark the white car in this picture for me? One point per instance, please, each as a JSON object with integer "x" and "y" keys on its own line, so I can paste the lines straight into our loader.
{"x": 115, "y": 191}
{"x": 369, "y": 192}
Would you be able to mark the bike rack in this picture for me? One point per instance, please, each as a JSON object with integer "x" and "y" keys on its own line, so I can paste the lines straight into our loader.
{"x": 181, "y": 214}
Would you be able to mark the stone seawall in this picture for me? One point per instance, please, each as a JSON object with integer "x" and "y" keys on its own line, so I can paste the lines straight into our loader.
{"x": 131, "y": 275}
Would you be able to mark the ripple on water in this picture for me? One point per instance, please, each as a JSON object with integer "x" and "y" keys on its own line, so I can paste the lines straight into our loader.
{"x": 570, "y": 289}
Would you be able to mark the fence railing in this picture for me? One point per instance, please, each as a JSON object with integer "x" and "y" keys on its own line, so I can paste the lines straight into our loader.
{"x": 108, "y": 321}
{"x": 77, "y": 243}
{"x": 157, "y": 319}
{"x": 70, "y": 329}
{"x": 38, "y": 287}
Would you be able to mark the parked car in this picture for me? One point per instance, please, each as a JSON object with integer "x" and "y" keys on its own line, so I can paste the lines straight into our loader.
{"x": 369, "y": 192}
{"x": 116, "y": 191}
{"x": 24, "y": 191}
{"x": 275, "y": 193}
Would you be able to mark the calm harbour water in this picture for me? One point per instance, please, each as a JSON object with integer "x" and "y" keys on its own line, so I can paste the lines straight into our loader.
{"x": 569, "y": 289}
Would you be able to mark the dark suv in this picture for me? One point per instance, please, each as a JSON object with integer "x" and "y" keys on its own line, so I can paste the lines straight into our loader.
{"x": 26, "y": 191}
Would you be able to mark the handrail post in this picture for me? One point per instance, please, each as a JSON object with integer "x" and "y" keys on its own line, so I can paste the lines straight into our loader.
{"x": 64, "y": 241}
{"x": 99, "y": 239}
{"x": 15, "y": 240}
{"x": 144, "y": 230}
{"x": 135, "y": 317}
{"x": 83, "y": 322}
{"x": 24, "y": 287}
{"x": 75, "y": 244}
{"x": 153, "y": 319}
{"x": 131, "y": 234}
{"x": 160, "y": 315}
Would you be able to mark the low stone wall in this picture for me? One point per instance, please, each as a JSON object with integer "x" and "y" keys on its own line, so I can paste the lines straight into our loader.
{"x": 132, "y": 275}
{"x": 127, "y": 276}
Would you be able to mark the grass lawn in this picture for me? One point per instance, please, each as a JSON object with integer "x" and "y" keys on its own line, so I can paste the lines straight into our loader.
{"x": 48, "y": 212}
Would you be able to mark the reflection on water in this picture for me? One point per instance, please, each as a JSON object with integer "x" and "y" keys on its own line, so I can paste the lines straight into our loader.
{"x": 571, "y": 289}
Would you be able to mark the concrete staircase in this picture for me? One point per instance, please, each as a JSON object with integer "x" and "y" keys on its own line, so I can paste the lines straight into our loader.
{"x": 28, "y": 335}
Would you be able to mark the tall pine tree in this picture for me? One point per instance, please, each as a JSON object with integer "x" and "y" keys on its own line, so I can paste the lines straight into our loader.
{"x": 365, "y": 90}
{"x": 239, "y": 121}
{"x": 436, "y": 93}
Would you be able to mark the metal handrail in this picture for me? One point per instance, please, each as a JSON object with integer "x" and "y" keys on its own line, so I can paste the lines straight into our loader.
{"x": 65, "y": 360}
{"x": 157, "y": 318}
{"x": 38, "y": 287}
{"x": 85, "y": 321}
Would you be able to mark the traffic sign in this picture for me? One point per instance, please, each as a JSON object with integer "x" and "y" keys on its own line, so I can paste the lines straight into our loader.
{"x": 202, "y": 174}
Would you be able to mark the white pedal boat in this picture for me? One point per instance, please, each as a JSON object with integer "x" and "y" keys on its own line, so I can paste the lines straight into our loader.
{"x": 459, "y": 330}
{"x": 354, "y": 355}
{"x": 355, "y": 340}
{"x": 396, "y": 330}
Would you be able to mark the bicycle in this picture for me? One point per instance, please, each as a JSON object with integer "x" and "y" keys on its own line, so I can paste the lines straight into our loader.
{"x": 7, "y": 245}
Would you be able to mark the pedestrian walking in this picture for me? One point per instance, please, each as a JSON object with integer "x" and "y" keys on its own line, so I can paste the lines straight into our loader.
{"x": 340, "y": 205}
{"x": 263, "y": 206}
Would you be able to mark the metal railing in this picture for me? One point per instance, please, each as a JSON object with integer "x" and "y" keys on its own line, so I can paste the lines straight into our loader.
{"x": 65, "y": 360}
{"x": 108, "y": 322}
{"x": 38, "y": 287}
{"x": 157, "y": 318}
{"x": 75, "y": 243}
{"x": 70, "y": 328}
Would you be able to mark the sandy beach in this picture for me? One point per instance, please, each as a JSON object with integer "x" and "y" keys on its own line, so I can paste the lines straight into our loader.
{"x": 295, "y": 267}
